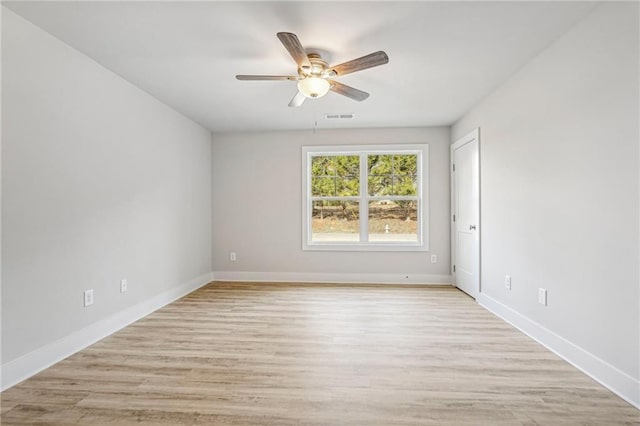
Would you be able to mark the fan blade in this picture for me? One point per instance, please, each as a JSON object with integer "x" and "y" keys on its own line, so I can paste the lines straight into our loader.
{"x": 368, "y": 61}
{"x": 266, "y": 77}
{"x": 295, "y": 49}
{"x": 297, "y": 100}
{"x": 348, "y": 91}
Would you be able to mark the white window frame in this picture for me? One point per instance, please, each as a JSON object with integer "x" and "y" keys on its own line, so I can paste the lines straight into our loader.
{"x": 422, "y": 151}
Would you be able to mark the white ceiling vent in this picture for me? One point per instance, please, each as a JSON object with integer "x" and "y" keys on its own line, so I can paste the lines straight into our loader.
{"x": 338, "y": 116}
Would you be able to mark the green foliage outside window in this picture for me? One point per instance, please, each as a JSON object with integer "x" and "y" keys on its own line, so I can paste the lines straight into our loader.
{"x": 392, "y": 174}
{"x": 387, "y": 175}
{"x": 335, "y": 176}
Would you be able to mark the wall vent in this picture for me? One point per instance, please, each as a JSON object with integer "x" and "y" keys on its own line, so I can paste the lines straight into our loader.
{"x": 338, "y": 116}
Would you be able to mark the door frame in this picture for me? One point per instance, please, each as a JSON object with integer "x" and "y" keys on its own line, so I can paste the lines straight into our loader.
{"x": 469, "y": 137}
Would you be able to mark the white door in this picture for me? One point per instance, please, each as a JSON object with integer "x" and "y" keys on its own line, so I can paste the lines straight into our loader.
{"x": 465, "y": 208}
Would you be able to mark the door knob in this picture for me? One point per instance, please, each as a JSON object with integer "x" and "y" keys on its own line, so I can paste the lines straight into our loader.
{"x": 472, "y": 227}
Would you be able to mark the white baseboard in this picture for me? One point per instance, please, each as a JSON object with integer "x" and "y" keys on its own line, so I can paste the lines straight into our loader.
{"x": 15, "y": 371}
{"x": 619, "y": 382}
{"x": 19, "y": 369}
{"x": 327, "y": 277}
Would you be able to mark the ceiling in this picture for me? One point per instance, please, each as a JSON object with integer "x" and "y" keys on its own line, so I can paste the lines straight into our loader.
{"x": 444, "y": 57}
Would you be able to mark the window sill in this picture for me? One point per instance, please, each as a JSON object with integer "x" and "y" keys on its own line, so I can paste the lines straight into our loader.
{"x": 364, "y": 247}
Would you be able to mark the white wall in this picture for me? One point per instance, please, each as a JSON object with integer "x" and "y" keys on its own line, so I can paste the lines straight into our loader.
{"x": 258, "y": 210}
{"x": 100, "y": 182}
{"x": 560, "y": 187}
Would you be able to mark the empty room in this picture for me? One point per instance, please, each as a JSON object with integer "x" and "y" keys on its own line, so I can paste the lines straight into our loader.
{"x": 320, "y": 213}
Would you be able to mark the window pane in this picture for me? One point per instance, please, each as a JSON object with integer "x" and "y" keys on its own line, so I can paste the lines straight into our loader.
{"x": 380, "y": 164}
{"x": 347, "y": 165}
{"x": 321, "y": 166}
{"x": 335, "y": 176}
{"x": 405, "y": 164}
{"x": 380, "y": 185}
{"x": 335, "y": 221}
{"x": 379, "y": 168}
{"x": 347, "y": 187}
{"x": 392, "y": 174}
{"x": 323, "y": 186}
{"x": 404, "y": 185}
{"x": 393, "y": 221}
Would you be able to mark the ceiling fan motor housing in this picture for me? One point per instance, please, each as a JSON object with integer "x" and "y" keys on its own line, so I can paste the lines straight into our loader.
{"x": 318, "y": 68}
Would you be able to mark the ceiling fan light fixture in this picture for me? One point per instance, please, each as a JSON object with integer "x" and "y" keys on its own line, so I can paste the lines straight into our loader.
{"x": 314, "y": 87}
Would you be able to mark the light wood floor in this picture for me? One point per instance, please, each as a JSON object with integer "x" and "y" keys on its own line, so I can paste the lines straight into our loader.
{"x": 278, "y": 354}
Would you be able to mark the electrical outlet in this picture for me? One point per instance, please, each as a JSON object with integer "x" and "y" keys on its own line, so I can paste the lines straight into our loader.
{"x": 434, "y": 258}
{"x": 88, "y": 297}
{"x": 507, "y": 282}
{"x": 123, "y": 286}
{"x": 542, "y": 296}
{"x": 232, "y": 256}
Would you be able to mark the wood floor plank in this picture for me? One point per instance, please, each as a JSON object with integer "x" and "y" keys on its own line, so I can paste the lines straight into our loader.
{"x": 291, "y": 354}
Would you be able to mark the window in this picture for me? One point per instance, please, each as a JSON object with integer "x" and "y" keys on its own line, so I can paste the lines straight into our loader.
{"x": 365, "y": 197}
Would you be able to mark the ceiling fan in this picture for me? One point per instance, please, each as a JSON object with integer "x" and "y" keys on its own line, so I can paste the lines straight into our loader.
{"x": 315, "y": 76}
